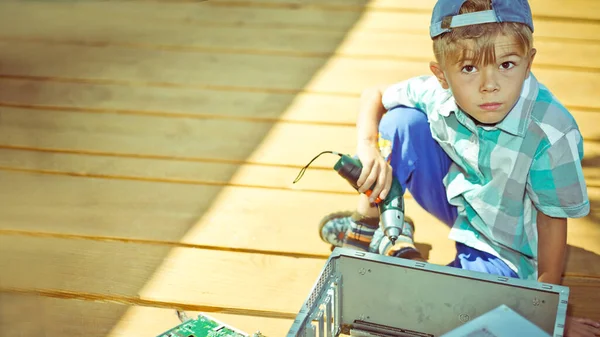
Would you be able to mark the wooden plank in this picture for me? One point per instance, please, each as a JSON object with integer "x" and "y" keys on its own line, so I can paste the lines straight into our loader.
{"x": 178, "y": 36}
{"x": 180, "y": 276}
{"x": 30, "y": 315}
{"x": 194, "y": 14}
{"x": 336, "y": 76}
{"x": 201, "y": 215}
{"x": 56, "y": 317}
{"x": 167, "y": 212}
{"x": 192, "y": 103}
{"x": 193, "y": 172}
{"x": 580, "y": 9}
{"x": 191, "y": 214}
{"x": 182, "y": 102}
{"x": 582, "y": 294}
{"x": 252, "y": 71}
{"x": 178, "y": 172}
{"x": 214, "y": 139}
{"x": 158, "y": 273}
{"x": 203, "y": 14}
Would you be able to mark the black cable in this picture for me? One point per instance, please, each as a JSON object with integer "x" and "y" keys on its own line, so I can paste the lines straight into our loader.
{"x": 310, "y": 162}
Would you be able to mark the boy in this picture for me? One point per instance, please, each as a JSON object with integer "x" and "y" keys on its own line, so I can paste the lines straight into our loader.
{"x": 481, "y": 145}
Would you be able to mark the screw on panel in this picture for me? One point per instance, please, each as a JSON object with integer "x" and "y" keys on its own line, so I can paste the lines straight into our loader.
{"x": 464, "y": 318}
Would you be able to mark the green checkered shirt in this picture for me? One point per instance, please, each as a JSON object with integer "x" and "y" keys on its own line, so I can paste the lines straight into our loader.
{"x": 502, "y": 175}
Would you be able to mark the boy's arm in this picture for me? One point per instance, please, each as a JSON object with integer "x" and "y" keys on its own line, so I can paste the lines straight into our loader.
{"x": 375, "y": 169}
{"x": 558, "y": 190}
{"x": 374, "y": 103}
{"x": 552, "y": 237}
{"x": 370, "y": 112}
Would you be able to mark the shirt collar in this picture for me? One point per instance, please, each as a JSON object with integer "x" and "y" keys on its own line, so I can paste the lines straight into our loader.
{"x": 448, "y": 104}
{"x": 517, "y": 120}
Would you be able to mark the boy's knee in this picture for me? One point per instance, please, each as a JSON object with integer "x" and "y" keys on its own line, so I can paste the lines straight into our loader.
{"x": 402, "y": 119}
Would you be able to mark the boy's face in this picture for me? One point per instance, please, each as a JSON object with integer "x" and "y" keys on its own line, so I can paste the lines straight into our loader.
{"x": 487, "y": 93}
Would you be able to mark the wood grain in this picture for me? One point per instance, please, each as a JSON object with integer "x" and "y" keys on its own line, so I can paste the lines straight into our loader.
{"x": 582, "y": 9}
{"x": 179, "y": 102}
{"x": 122, "y": 31}
{"x": 178, "y": 276}
{"x": 216, "y": 139}
{"x": 149, "y": 162}
{"x": 202, "y": 215}
{"x": 189, "y": 214}
{"x": 547, "y": 23}
{"x": 555, "y": 9}
{"x": 583, "y": 293}
{"x": 29, "y": 315}
{"x": 336, "y": 76}
{"x": 226, "y": 140}
{"x": 130, "y": 166}
{"x": 307, "y": 107}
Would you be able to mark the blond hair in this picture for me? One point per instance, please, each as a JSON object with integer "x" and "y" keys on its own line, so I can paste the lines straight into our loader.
{"x": 451, "y": 47}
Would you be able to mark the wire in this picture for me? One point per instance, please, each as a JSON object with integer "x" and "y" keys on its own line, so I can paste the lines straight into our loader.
{"x": 310, "y": 162}
{"x": 183, "y": 317}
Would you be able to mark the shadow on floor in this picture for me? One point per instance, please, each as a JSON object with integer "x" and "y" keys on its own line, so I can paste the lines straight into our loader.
{"x": 80, "y": 76}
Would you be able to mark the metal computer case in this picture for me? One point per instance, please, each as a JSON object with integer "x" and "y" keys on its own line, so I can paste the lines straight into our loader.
{"x": 417, "y": 298}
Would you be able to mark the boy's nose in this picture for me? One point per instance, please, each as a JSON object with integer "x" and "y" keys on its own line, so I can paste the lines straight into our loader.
{"x": 489, "y": 81}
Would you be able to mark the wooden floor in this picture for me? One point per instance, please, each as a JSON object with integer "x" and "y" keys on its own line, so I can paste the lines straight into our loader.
{"x": 148, "y": 149}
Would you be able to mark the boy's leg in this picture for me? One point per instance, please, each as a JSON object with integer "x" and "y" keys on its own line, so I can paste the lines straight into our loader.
{"x": 475, "y": 260}
{"x": 417, "y": 160}
{"x": 418, "y": 163}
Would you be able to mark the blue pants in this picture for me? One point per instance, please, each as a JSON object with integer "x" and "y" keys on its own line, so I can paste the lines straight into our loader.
{"x": 420, "y": 164}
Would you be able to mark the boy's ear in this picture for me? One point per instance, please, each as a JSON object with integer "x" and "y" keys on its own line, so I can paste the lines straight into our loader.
{"x": 436, "y": 69}
{"x": 532, "y": 53}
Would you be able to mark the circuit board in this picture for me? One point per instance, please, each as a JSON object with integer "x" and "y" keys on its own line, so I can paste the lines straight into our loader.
{"x": 203, "y": 326}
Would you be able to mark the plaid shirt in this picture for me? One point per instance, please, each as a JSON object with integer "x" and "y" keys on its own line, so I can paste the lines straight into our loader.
{"x": 502, "y": 175}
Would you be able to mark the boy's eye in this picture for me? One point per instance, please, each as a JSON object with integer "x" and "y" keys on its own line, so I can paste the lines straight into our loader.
{"x": 468, "y": 69}
{"x": 507, "y": 65}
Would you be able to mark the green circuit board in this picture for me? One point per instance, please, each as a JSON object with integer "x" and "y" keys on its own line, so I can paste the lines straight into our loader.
{"x": 203, "y": 326}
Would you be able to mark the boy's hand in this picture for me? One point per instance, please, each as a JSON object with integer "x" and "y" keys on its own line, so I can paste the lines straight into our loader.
{"x": 581, "y": 327}
{"x": 375, "y": 170}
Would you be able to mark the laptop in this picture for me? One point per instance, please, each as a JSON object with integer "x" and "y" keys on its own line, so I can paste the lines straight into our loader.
{"x": 360, "y": 293}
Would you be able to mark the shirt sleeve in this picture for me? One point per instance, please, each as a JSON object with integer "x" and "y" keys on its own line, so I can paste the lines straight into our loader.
{"x": 418, "y": 92}
{"x": 556, "y": 183}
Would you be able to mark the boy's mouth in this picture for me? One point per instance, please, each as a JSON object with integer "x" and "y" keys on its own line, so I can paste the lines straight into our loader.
{"x": 490, "y": 106}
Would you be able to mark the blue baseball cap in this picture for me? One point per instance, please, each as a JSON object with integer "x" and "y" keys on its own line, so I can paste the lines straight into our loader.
{"x": 445, "y": 15}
